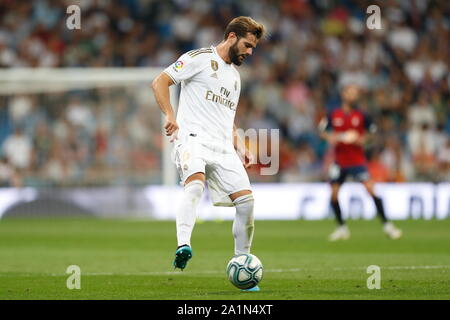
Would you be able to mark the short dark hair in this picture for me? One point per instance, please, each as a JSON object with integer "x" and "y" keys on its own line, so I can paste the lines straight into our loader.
{"x": 243, "y": 25}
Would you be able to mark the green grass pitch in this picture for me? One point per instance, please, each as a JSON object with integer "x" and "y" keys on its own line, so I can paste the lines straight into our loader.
{"x": 125, "y": 259}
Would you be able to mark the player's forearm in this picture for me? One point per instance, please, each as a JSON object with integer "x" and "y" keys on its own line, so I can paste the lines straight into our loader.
{"x": 323, "y": 135}
{"x": 239, "y": 145}
{"x": 160, "y": 86}
{"x": 323, "y": 132}
{"x": 362, "y": 139}
{"x": 242, "y": 150}
{"x": 327, "y": 136}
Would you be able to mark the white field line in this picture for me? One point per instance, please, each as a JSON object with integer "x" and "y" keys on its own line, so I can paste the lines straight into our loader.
{"x": 175, "y": 273}
{"x": 162, "y": 273}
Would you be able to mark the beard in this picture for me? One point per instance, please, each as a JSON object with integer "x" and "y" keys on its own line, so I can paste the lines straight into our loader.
{"x": 234, "y": 55}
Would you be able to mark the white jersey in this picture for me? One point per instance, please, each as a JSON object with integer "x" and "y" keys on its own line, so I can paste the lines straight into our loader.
{"x": 210, "y": 90}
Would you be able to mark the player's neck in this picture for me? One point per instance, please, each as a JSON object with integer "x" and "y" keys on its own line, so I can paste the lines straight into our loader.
{"x": 222, "y": 50}
{"x": 346, "y": 107}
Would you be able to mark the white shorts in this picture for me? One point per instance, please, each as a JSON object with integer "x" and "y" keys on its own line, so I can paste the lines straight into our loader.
{"x": 225, "y": 174}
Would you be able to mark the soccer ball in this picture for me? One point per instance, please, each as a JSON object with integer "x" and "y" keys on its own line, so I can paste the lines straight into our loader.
{"x": 245, "y": 271}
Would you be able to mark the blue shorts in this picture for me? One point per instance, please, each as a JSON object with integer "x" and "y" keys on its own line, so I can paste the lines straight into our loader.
{"x": 339, "y": 175}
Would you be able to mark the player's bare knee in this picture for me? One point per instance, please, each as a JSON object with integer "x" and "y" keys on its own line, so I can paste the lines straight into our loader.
{"x": 199, "y": 176}
{"x": 239, "y": 194}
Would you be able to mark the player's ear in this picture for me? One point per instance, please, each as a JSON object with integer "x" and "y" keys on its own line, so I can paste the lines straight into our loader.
{"x": 232, "y": 37}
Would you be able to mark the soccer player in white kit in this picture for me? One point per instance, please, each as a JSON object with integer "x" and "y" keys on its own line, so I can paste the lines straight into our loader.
{"x": 206, "y": 146}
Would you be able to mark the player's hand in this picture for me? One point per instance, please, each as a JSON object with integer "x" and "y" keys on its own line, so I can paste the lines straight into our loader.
{"x": 350, "y": 137}
{"x": 249, "y": 159}
{"x": 174, "y": 136}
{"x": 171, "y": 125}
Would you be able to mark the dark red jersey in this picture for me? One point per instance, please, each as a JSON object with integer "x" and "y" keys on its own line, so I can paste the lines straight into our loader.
{"x": 349, "y": 155}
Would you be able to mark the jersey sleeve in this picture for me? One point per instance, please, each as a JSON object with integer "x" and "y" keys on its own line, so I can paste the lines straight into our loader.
{"x": 184, "y": 68}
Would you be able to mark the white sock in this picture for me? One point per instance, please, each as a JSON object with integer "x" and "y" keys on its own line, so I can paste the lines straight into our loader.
{"x": 243, "y": 225}
{"x": 187, "y": 212}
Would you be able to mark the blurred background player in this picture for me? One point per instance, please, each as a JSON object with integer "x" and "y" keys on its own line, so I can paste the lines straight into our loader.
{"x": 204, "y": 135}
{"x": 347, "y": 129}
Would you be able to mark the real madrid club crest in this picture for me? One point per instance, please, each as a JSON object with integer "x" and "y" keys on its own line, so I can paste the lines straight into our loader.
{"x": 214, "y": 65}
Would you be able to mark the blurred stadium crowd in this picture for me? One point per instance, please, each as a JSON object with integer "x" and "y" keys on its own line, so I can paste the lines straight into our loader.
{"x": 292, "y": 80}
